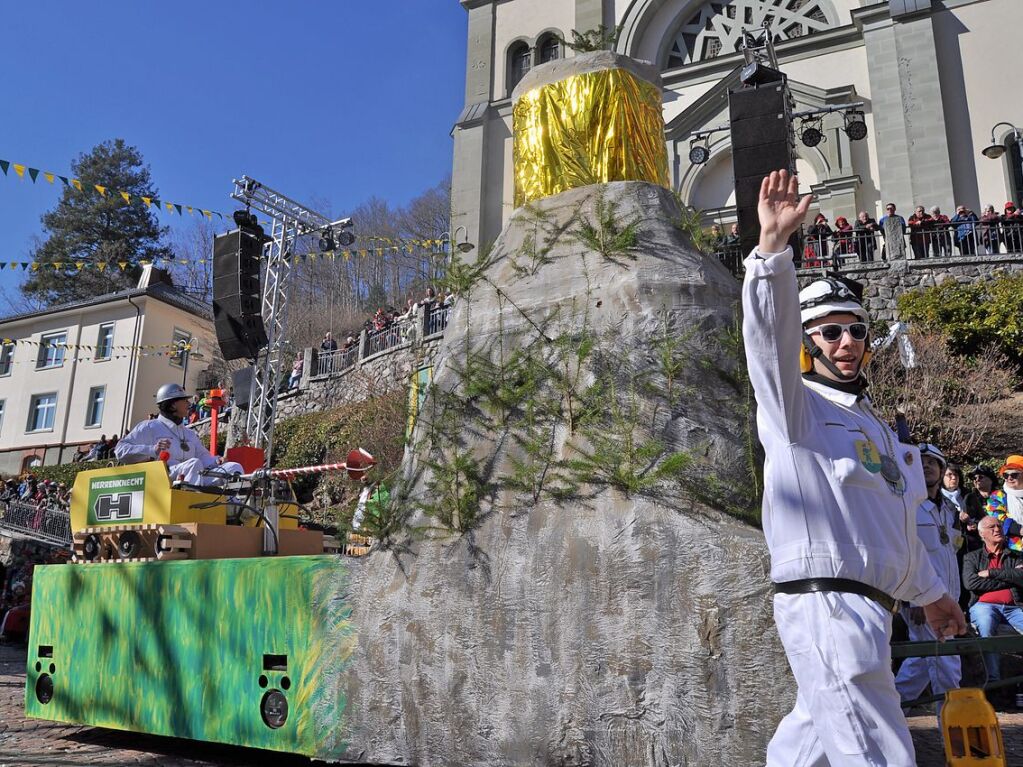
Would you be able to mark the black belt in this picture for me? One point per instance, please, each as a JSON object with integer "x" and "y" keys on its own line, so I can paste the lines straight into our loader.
{"x": 810, "y": 585}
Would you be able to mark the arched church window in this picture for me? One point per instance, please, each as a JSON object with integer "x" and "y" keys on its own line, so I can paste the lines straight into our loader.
{"x": 716, "y": 28}
{"x": 549, "y": 48}
{"x": 519, "y": 61}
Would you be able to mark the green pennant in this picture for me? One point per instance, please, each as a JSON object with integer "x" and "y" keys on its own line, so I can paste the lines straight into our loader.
{"x": 33, "y": 174}
{"x": 65, "y": 180}
{"x": 4, "y": 165}
{"x": 156, "y": 202}
{"x": 177, "y": 208}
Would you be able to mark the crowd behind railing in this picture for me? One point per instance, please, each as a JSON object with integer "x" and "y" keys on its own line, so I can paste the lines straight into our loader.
{"x": 37, "y": 508}
{"x": 925, "y": 234}
{"x": 386, "y": 329}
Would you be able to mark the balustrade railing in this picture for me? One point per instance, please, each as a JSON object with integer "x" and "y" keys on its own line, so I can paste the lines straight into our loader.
{"x": 436, "y": 318}
{"x": 937, "y": 240}
{"x": 337, "y": 361}
{"x": 50, "y": 524}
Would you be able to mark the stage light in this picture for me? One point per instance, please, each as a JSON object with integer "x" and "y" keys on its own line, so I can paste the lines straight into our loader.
{"x": 698, "y": 153}
{"x": 855, "y": 125}
{"x": 326, "y": 241}
{"x": 810, "y": 135}
{"x": 345, "y": 238}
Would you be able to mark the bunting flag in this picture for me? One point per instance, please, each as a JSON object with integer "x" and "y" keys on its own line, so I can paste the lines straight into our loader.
{"x": 102, "y": 189}
{"x": 92, "y": 347}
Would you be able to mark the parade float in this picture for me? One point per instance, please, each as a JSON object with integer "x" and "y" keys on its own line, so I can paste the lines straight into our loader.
{"x": 570, "y": 574}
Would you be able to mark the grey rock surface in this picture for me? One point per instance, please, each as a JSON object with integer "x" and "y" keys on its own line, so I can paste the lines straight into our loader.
{"x": 603, "y": 628}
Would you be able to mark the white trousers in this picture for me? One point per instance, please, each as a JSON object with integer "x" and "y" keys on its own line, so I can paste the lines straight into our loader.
{"x": 942, "y": 673}
{"x": 192, "y": 470}
{"x": 847, "y": 709}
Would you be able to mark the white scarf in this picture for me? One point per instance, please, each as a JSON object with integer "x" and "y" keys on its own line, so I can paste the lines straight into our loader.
{"x": 1014, "y": 504}
{"x": 956, "y": 497}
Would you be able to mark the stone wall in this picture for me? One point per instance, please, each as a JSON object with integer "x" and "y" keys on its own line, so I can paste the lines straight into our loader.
{"x": 885, "y": 282}
{"x": 378, "y": 374}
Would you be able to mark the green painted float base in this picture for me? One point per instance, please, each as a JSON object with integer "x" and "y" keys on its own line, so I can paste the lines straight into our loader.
{"x": 189, "y": 649}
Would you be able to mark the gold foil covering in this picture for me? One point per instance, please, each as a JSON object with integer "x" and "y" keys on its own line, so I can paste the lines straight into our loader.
{"x": 588, "y": 129}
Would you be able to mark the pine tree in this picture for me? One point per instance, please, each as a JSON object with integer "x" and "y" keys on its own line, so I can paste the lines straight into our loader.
{"x": 90, "y": 228}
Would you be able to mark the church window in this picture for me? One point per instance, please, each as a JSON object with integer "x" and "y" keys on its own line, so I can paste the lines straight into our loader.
{"x": 519, "y": 60}
{"x": 549, "y": 49}
{"x": 716, "y": 28}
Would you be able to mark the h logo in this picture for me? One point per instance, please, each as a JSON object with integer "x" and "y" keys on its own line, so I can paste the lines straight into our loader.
{"x": 113, "y": 507}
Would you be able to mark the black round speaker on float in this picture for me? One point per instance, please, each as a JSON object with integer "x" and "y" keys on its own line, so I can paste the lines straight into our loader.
{"x": 44, "y": 689}
{"x": 91, "y": 547}
{"x": 274, "y": 709}
{"x": 129, "y": 543}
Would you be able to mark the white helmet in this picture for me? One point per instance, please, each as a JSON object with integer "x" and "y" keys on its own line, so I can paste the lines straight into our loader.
{"x": 927, "y": 448}
{"x": 829, "y": 296}
{"x": 169, "y": 392}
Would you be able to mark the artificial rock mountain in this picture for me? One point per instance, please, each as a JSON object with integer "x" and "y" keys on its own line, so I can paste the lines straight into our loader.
{"x": 579, "y": 605}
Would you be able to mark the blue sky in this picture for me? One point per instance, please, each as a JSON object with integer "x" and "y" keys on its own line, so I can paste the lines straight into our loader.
{"x": 324, "y": 101}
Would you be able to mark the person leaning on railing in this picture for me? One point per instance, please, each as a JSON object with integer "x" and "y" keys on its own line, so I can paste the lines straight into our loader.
{"x": 1012, "y": 228}
{"x": 866, "y": 230}
{"x": 990, "y": 236}
{"x": 965, "y": 223}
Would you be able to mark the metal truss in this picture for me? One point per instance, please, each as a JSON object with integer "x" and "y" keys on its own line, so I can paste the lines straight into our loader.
{"x": 289, "y": 220}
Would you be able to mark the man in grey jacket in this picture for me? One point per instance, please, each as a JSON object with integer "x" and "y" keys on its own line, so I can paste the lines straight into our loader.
{"x": 840, "y": 500}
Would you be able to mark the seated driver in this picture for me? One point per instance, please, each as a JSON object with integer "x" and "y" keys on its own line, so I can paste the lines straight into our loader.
{"x": 188, "y": 458}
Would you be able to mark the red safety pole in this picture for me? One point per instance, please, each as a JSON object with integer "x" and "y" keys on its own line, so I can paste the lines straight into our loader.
{"x": 216, "y": 401}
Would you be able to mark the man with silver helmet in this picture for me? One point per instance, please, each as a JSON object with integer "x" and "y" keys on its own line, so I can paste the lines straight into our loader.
{"x": 935, "y": 526}
{"x": 187, "y": 458}
{"x": 839, "y": 512}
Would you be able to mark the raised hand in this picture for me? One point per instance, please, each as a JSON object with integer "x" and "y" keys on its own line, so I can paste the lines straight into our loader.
{"x": 780, "y": 210}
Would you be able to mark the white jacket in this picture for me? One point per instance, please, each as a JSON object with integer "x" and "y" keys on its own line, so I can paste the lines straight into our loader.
{"x": 930, "y": 518}
{"x": 828, "y": 512}
{"x": 140, "y": 444}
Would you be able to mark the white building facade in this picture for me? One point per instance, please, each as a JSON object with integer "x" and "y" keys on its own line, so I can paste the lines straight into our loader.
{"x": 935, "y": 78}
{"x": 79, "y": 371}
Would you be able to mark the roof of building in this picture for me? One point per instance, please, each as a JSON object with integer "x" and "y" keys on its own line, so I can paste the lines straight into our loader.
{"x": 159, "y": 291}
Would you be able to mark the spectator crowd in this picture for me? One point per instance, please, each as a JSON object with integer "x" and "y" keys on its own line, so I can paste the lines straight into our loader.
{"x": 385, "y": 328}
{"x": 929, "y": 233}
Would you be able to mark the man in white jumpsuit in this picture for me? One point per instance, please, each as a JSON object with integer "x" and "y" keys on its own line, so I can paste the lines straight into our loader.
{"x": 935, "y": 518}
{"x": 839, "y": 512}
{"x": 187, "y": 457}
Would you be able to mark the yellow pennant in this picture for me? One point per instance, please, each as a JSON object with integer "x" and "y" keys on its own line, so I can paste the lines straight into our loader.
{"x": 58, "y": 264}
{"x": 207, "y": 213}
{"x": 76, "y": 184}
{"x": 79, "y": 265}
{"x": 126, "y": 197}
{"x": 19, "y": 169}
{"x": 189, "y": 209}
{"x": 169, "y": 206}
{"x": 148, "y": 201}
{"x": 101, "y": 266}
{"x": 48, "y": 176}
{"x": 123, "y": 265}
{"x": 101, "y": 189}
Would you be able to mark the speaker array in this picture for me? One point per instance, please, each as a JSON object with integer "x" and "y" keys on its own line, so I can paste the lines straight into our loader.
{"x": 237, "y": 297}
{"x": 760, "y": 119}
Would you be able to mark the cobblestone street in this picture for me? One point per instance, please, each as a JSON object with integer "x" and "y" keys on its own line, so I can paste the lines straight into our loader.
{"x": 27, "y": 742}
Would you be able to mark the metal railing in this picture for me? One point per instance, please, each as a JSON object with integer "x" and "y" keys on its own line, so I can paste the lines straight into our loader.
{"x": 436, "y": 318}
{"x": 936, "y": 240}
{"x": 386, "y": 338}
{"x": 50, "y": 524}
{"x": 337, "y": 361}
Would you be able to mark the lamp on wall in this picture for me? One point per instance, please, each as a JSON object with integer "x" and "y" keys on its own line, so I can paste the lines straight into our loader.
{"x": 996, "y": 150}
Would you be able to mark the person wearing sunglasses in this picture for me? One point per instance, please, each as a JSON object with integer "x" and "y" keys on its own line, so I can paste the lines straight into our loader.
{"x": 1007, "y": 503}
{"x": 841, "y": 495}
